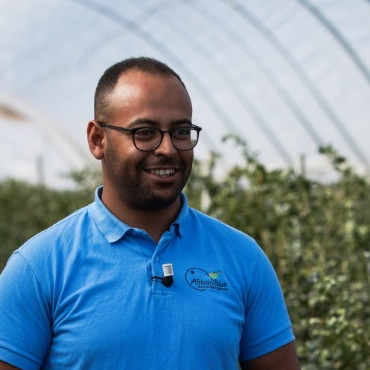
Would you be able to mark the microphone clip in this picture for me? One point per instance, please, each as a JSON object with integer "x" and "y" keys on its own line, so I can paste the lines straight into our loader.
{"x": 167, "y": 279}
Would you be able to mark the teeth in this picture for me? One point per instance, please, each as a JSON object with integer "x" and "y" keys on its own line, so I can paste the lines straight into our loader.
{"x": 164, "y": 173}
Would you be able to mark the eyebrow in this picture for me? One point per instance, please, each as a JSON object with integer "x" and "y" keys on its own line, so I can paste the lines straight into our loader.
{"x": 141, "y": 121}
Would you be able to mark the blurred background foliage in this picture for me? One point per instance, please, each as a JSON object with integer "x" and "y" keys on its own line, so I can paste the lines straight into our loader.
{"x": 317, "y": 236}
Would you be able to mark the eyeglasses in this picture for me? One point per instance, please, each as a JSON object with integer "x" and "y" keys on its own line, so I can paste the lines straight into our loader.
{"x": 147, "y": 139}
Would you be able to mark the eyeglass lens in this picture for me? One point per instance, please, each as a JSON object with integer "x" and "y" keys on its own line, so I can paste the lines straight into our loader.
{"x": 183, "y": 138}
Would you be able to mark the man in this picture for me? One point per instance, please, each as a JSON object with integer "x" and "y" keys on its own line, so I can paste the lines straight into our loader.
{"x": 138, "y": 280}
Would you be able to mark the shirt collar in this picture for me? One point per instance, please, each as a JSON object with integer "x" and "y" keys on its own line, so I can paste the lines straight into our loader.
{"x": 178, "y": 224}
{"x": 108, "y": 224}
{"x": 114, "y": 229}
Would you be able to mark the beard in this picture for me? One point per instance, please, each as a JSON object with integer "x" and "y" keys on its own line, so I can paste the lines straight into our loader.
{"x": 133, "y": 187}
{"x": 149, "y": 201}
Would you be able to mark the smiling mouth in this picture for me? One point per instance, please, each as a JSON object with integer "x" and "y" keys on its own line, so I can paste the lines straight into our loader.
{"x": 162, "y": 172}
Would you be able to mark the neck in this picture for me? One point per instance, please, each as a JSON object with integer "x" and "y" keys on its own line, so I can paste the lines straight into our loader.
{"x": 154, "y": 222}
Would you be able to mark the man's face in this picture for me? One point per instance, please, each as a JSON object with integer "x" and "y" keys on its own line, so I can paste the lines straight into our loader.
{"x": 146, "y": 180}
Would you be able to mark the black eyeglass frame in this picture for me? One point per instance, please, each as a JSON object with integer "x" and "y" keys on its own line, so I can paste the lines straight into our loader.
{"x": 162, "y": 132}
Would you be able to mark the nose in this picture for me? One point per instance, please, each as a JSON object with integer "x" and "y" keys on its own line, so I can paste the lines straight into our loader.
{"x": 166, "y": 147}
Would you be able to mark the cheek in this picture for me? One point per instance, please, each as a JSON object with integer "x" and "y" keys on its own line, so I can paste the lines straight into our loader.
{"x": 187, "y": 158}
{"x": 111, "y": 157}
{"x": 119, "y": 151}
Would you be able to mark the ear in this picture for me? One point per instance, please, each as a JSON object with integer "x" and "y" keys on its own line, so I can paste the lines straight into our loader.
{"x": 96, "y": 139}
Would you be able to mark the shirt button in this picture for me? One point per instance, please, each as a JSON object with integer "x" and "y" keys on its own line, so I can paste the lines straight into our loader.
{"x": 156, "y": 258}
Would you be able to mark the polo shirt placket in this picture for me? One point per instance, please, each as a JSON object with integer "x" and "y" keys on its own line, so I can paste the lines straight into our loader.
{"x": 155, "y": 266}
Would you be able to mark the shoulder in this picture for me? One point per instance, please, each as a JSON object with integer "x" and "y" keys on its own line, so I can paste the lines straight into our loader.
{"x": 56, "y": 240}
{"x": 211, "y": 226}
{"x": 64, "y": 228}
{"x": 48, "y": 256}
{"x": 224, "y": 242}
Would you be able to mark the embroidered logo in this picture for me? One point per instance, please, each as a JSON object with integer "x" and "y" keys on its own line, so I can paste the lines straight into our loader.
{"x": 200, "y": 279}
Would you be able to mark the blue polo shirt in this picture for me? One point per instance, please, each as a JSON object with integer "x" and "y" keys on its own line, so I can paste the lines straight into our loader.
{"x": 80, "y": 295}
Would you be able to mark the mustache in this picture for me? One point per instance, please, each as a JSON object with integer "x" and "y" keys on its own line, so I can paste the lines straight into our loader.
{"x": 161, "y": 162}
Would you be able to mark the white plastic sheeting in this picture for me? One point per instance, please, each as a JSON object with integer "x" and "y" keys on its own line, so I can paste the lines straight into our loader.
{"x": 286, "y": 75}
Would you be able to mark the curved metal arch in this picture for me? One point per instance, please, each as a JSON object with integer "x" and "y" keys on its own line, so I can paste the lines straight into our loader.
{"x": 334, "y": 31}
{"x": 243, "y": 99}
{"x": 31, "y": 87}
{"x": 282, "y": 92}
{"x": 128, "y": 24}
{"x": 68, "y": 146}
{"x": 301, "y": 74}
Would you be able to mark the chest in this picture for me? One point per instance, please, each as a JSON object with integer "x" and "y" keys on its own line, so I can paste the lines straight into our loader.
{"x": 118, "y": 311}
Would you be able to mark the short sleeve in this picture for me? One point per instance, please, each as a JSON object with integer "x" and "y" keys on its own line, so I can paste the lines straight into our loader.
{"x": 25, "y": 329}
{"x": 267, "y": 325}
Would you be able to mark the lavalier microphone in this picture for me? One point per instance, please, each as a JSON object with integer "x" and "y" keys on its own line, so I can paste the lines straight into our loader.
{"x": 167, "y": 279}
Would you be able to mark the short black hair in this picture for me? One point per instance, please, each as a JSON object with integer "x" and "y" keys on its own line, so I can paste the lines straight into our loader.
{"x": 110, "y": 77}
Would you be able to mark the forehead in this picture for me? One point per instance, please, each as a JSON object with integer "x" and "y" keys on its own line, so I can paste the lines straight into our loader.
{"x": 134, "y": 85}
{"x": 144, "y": 96}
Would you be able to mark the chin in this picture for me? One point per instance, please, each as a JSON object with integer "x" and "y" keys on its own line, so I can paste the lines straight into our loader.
{"x": 155, "y": 203}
